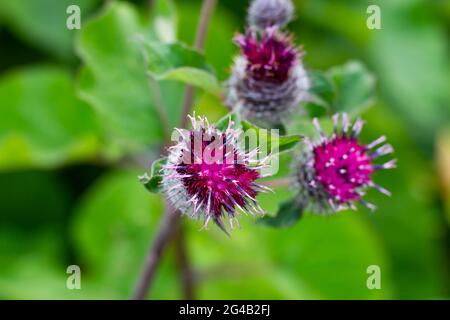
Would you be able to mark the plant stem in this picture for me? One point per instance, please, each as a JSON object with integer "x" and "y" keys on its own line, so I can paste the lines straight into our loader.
{"x": 171, "y": 217}
{"x": 207, "y": 10}
{"x": 160, "y": 106}
{"x": 188, "y": 100}
{"x": 165, "y": 233}
{"x": 275, "y": 183}
{"x": 186, "y": 272}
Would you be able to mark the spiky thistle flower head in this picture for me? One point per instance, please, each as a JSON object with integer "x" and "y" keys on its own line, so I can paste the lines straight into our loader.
{"x": 333, "y": 173}
{"x": 269, "y": 58}
{"x": 268, "y": 80}
{"x": 266, "y": 13}
{"x": 209, "y": 176}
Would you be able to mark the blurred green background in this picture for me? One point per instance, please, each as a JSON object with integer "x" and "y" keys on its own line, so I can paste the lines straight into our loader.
{"x": 77, "y": 125}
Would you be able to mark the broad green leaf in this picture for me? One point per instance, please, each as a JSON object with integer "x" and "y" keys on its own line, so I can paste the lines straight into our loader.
{"x": 48, "y": 199}
{"x": 269, "y": 140}
{"x": 153, "y": 181}
{"x": 403, "y": 213}
{"x": 287, "y": 142}
{"x": 281, "y": 128}
{"x": 114, "y": 79}
{"x": 164, "y": 20}
{"x": 42, "y": 23}
{"x": 178, "y": 62}
{"x": 318, "y": 258}
{"x": 114, "y": 225}
{"x": 42, "y": 123}
{"x": 348, "y": 88}
{"x": 332, "y": 254}
{"x": 354, "y": 88}
{"x": 411, "y": 211}
{"x": 288, "y": 214}
{"x": 34, "y": 267}
{"x": 346, "y": 18}
{"x": 315, "y": 259}
{"x": 322, "y": 89}
{"x": 32, "y": 238}
{"x": 414, "y": 78}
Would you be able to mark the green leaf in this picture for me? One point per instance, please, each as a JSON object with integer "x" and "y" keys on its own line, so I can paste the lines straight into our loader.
{"x": 42, "y": 123}
{"x": 303, "y": 261}
{"x": 288, "y": 214}
{"x": 164, "y": 20}
{"x": 153, "y": 182}
{"x": 114, "y": 80}
{"x": 114, "y": 226}
{"x": 270, "y": 141}
{"x": 178, "y": 62}
{"x": 314, "y": 259}
{"x": 281, "y": 128}
{"x": 348, "y": 88}
{"x": 42, "y": 23}
{"x": 222, "y": 123}
{"x": 48, "y": 198}
{"x": 414, "y": 78}
{"x": 287, "y": 142}
{"x": 33, "y": 268}
{"x": 354, "y": 88}
{"x": 415, "y": 258}
{"x": 211, "y": 106}
{"x": 322, "y": 89}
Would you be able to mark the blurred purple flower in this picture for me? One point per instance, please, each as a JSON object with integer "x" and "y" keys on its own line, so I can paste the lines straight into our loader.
{"x": 266, "y": 13}
{"x": 269, "y": 59}
{"x": 268, "y": 80}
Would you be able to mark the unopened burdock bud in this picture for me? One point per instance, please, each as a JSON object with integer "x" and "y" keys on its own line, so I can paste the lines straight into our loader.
{"x": 266, "y": 13}
{"x": 268, "y": 80}
{"x": 334, "y": 172}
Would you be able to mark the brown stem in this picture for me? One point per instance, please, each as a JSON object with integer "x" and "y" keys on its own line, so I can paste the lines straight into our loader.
{"x": 165, "y": 233}
{"x": 186, "y": 272}
{"x": 276, "y": 183}
{"x": 171, "y": 217}
{"x": 160, "y": 106}
{"x": 188, "y": 100}
{"x": 207, "y": 10}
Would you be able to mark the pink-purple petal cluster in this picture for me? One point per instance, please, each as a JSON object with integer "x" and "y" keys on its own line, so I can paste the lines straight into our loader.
{"x": 270, "y": 58}
{"x": 208, "y": 176}
{"x": 334, "y": 172}
{"x": 268, "y": 80}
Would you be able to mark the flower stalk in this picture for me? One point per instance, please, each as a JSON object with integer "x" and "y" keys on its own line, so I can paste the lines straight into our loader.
{"x": 171, "y": 217}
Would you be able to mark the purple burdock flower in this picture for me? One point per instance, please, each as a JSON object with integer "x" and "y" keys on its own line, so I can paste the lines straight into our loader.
{"x": 334, "y": 172}
{"x": 269, "y": 59}
{"x": 266, "y": 13}
{"x": 268, "y": 80}
{"x": 209, "y": 176}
